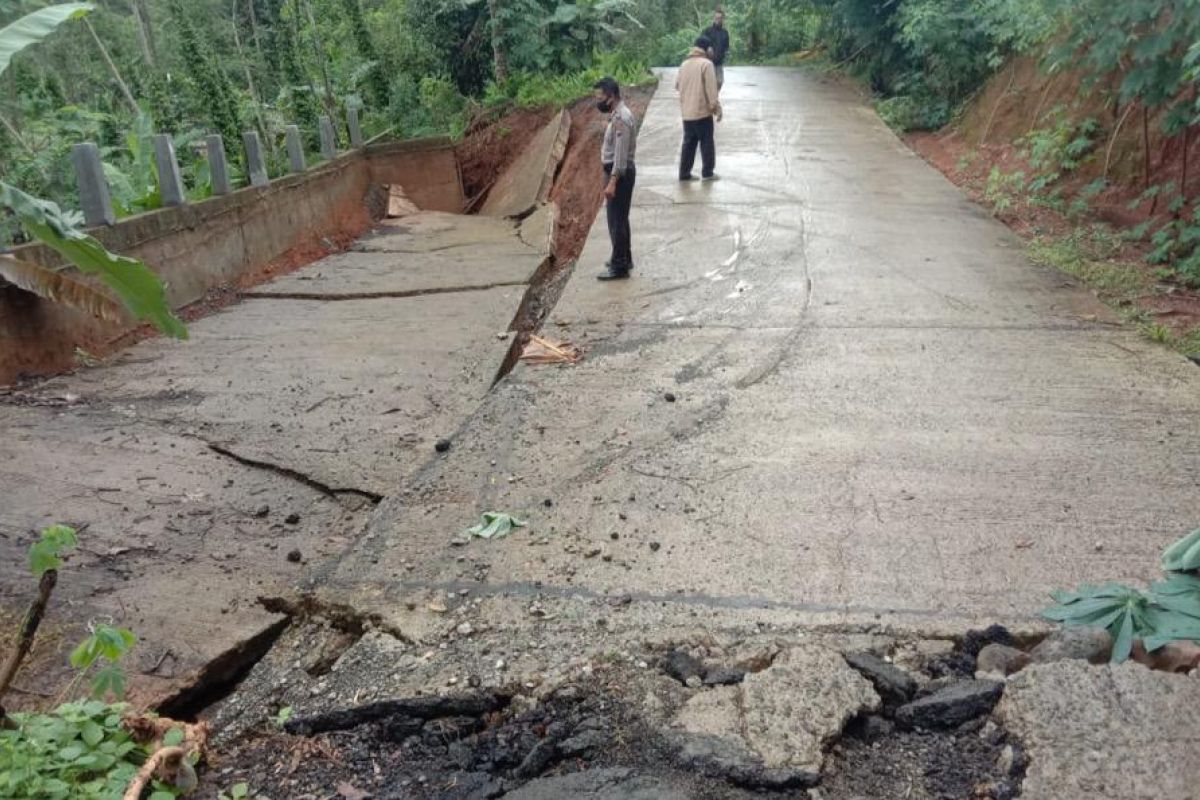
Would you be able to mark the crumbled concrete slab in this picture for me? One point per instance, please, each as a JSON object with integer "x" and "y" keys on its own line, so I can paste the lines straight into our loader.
{"x": 216, "y": 469}
{"x": 538, "y": 229}
{"x": 1105, "y": 731}
{"x": 175, "y": 540}
{"x": 529, "y": 179}
{"x": 795, "y": 707}
{"x": 438, "y": 232}
{"x": 784, "y": 716}
{"x": 893, "y": 684}
{"x": 470, "y": 256}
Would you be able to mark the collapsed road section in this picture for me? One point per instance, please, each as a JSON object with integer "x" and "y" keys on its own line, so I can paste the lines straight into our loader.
{"x": 797, "y": 420}
{"x": 204, "y": 475}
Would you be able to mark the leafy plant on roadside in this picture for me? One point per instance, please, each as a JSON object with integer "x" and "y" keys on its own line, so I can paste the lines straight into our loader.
{"x": 1184, "y": 555}
{"x": 46, "y": 553}
{"x": 1003, "y": 189}
{"x": 80, "y": 751}
{"x": 1177, "y": 243}
{"x": 139, "y": 289}
{"x": 36, "y": 26}
{"x": 239, "y": 791}
{"x": 1167, "y": 611}
{"x": 1059, "y": 149}
{"x": 282, "y": 716}
{"x": 104, "y": 648}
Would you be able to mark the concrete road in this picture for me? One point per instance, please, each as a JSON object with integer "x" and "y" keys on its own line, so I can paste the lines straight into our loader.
{"x": 205, "y": 471}
{"x": 882, "y": 411}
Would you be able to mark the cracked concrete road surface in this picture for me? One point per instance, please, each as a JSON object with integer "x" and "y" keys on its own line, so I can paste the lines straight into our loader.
{"x": 206, "y": 472}
{"x": 883, "y": 413}
{"x": 835, "y": 399}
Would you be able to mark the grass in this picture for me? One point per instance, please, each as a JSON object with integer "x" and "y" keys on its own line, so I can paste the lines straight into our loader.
{"x": 1092, "y": 254}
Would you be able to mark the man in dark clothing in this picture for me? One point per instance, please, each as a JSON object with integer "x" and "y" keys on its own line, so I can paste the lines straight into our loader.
{"x": 719, "y": 37}
{"x": 616, "y": 155}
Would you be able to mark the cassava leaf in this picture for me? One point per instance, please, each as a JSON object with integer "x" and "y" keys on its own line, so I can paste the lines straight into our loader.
{"x": 1184, "y": 555}
{"x": 46, "y": 553}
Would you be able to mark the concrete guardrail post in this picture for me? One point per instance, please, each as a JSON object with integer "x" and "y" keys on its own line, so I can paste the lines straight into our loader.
{"x": 94, "y": 196}
{"x": 356, "y": 137}
{"x": 256, "y": 165}
{"x": 329, "y": 148}
{"x": 295, "y": 149}
{"x": 170, "y": 181}
{"x": 218, "y": 165}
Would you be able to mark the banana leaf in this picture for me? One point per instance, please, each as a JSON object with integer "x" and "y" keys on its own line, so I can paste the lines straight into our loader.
{"x": 34, "y": 27}
{"x": 134, "y": 284}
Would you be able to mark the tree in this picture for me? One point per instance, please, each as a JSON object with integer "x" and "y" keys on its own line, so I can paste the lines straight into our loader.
{"x": 217, "y": 95}
{"x": 376, "y": 79}
{"x": 499, "y": 51}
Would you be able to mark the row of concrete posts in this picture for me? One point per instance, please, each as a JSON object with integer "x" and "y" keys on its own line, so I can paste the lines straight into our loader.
{"x": 96, "y": 199}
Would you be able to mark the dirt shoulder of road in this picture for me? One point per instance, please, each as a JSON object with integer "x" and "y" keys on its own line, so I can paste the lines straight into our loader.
{"x": 1090, "y": 245}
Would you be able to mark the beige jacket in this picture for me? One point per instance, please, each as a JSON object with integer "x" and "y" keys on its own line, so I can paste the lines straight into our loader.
{"x": 696, "y": 83}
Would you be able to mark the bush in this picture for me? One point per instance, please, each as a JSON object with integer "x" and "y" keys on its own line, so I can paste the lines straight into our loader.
{"x": 79, "y": 751}
{"x": 539, "y": 89}
{"x": 914, "y": 113}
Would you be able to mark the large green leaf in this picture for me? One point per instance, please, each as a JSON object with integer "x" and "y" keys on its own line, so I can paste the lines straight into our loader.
{"x": 36, "y": 26}
{"x": 1122, "y": 611}
{"x": 1184, "y": 555}
{"x": 132, "y": 281}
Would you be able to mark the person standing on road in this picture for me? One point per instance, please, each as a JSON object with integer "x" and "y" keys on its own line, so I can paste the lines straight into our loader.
{"x": 616, "y": 154}
{"x": 719, "y": 37}
{"x": 699, "y": 105}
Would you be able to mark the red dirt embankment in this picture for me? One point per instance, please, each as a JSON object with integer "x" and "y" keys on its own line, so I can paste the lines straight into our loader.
{"x": 1021, "y": 99}
{"x": 578, "y": 188}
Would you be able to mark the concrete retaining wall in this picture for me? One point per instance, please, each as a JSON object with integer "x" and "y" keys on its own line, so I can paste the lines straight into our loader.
{"x": 224, "y": 240}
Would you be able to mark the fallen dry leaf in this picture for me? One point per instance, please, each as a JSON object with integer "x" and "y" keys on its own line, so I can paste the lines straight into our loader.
{"x": 351, "y": 792}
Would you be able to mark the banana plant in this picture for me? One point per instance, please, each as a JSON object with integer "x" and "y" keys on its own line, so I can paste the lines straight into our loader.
{"x": 138, "y": 289}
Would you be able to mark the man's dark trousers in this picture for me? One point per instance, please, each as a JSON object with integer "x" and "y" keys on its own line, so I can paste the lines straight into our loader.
{"x": 698, "y": 132}
{"x": 618, "y": 219}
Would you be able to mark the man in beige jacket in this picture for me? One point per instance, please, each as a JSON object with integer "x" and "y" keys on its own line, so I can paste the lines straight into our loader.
{"x": 699, "y": 104}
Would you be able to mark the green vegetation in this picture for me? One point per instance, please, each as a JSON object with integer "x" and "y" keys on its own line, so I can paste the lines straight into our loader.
{"x": 1167, "y": 611}
{"x": 134, "y": 284}
{"x": 429, "y": 67}
{"x": 81, "y": 749}
{"x": 78, "y": 751}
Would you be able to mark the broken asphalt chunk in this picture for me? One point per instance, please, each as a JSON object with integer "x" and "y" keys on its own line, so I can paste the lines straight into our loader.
{"x": 893, "y": 684}
{"x": 681, "y": 666}
{"x": 951, "y": 706}
{"x": 420, "y": 708}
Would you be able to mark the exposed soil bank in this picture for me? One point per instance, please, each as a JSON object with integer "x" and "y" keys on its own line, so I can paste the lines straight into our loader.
{"x": 577, "y": 194}
{"x": 1022, "y": 99}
